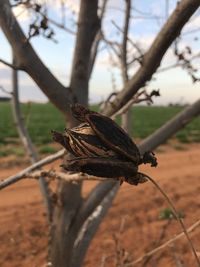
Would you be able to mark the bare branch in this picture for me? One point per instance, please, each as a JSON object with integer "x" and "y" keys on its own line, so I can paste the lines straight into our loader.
{"x": 124, "y": 42}
{"x": 10, "y": 65}
{"x": 157, "y": 242}
{"x": 175, "y": 212}
{"x": 139, "y": 50}
{"x": 26, "y": 140}
{"x": 153, "y": 57}
{"x": 125, "y": 108}
{"x": 5, "y": 91}
{"x": 88, "y": 27}
{"x": 171, "y": 127}
{"x": 22, "y": 131}
{"x": 97, "y": 40}
{"x": 20, "y": 175}
{"x": 59, "y": 25}
{"x": 112, "y": 45}
{"x": 123, "y": 62}
{"x": 93, "y": 200}
{"x": 90, "y": 227}
{"x": 163, "y": 246}
{"x": 180, "y": 64}
{"x": 177, "y": 259}
{"x": 67, "y": 177}
{"x": 30, "y": 62}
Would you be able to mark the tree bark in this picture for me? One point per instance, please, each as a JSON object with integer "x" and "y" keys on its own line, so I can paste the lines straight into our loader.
{"x": 88, "y": 26}
{"x": 65, "y": 226}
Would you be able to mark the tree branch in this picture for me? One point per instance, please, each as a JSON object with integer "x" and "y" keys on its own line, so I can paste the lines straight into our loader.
{"x": 124, "y": 42}
{"x": 93, "y": 200}
{"x": 171, "y": 127}
{"x": 26, "y": 140}
{"x": 30, "y": 62}
{"x": 180, "y": 64}
{"x": 10, "y": 65}
{"x": 151, "y": 61}
{"x": 123, "y": 60}
{"x": 67, "y": 177}
{"x": 97, "y": 40}
{"x": 91, "y": 225}
{"x": 88, "y": 27}
{"x": 20, "y": 175}
{"x": 5, "y": 91}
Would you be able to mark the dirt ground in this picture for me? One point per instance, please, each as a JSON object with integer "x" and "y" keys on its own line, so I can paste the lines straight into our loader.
{"x": 131, "y": 227}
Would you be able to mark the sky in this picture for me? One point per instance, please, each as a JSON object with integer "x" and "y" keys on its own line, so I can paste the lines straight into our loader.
{"x": 147, "y": 18}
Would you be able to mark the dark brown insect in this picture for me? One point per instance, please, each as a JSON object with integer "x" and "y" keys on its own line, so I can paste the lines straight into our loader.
{"x": 102, "y": 148}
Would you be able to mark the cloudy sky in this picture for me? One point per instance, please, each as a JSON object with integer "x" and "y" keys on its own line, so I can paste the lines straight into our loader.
{"x": 147, "y": 18}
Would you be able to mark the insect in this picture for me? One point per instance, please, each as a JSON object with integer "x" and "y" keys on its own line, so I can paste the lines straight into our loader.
{"x": 102, "y": 148}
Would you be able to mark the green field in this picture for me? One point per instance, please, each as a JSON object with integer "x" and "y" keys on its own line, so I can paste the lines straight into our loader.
{"x": 40, "y": 119}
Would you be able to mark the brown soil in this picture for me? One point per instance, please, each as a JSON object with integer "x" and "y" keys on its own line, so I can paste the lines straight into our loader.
{"x": 132, "y": 224}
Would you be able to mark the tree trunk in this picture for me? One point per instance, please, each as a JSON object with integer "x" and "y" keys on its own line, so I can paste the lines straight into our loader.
{"x": 65, "y": 227}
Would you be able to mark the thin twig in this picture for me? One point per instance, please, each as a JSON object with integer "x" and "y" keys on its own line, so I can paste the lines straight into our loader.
{"x": 26, "y": 140}
{"x": 177, "y": 217}
{"x": 5, "y": 91}
{"x": 134, "y": 100}
{"x": 20, "y": 175}
{"x": 158, "y": 242}
{"x": 13, "y": 66}
{"x": 68, "y": 177}
{"x": 164, "y": 245}
{"x": 112, "y": 45}
{"x": 96, "y": 42}
{"x": 180, "y": 64}
{"x": 177, "y": 260}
